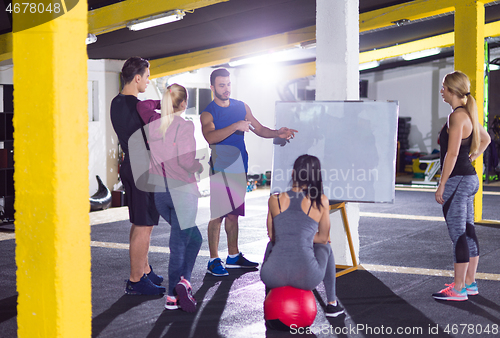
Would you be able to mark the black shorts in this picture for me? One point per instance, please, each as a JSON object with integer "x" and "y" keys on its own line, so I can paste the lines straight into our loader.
{"x": 141, "y": 204}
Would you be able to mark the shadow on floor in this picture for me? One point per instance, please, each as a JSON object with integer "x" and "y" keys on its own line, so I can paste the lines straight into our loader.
{"x": 370, "y": 304}
{"x": 205, "y": 321}
{"x": 121, "y": 306}
{"x": 472, "y": 306}
{"x": 8, "y": 308}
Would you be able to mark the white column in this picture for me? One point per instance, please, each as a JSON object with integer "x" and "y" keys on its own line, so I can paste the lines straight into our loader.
{"x": 337, "y": 78}
{"x": 337, "y": 50}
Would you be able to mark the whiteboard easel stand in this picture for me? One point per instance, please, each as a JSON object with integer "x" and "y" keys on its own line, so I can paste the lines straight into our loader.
{"x": 345, "y": 268}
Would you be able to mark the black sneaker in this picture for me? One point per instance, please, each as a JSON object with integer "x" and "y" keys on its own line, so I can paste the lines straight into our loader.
{"x": 334, "y": 310}
{"x": 143, "y": 287}
{"x": 156, "y": 279}
{"x": 239, "y": 262}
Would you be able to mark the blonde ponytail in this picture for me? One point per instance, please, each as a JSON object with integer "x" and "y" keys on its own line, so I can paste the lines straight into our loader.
{"x": 459, "y": 84}
{"x": 471, "y": 108}
{"x": 173, "y": 97}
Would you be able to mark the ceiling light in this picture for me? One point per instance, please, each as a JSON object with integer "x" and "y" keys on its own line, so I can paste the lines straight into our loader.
{"x": 495, "y": 64}
{"x": 421, "y": 54}
{"x": 244, "y": 61}
{"x": 401, "y": 22}
{"x": 156, "y": 20}
{"x": 91, "y": 38}
{"x": 368, "y": 65}
{"x": 308, "y": 44}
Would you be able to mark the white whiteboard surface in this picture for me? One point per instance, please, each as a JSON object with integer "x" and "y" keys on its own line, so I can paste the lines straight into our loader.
{"x": 356, "y": 142}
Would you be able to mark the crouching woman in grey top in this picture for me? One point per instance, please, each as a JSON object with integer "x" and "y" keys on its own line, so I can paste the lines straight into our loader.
{"x": 298, "y": 223}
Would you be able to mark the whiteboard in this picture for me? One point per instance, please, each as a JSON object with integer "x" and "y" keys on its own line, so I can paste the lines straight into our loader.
{"x": 356, "y": 142}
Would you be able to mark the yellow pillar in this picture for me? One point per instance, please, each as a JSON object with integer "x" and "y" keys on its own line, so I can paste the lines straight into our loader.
{"x": 469, "y": 58}
{"x": 51, "y": 177}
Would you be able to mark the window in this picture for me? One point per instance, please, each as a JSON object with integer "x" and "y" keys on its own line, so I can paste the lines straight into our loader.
{"x": 198, "y": 99}
{"x": 93, "y": 100}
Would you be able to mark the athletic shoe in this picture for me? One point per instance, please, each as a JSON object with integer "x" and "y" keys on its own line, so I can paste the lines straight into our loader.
{"x": 333, "y": 310}
{"x": 450, "y": 293}
{"x": 171, "y": 303}
{"x": 186, "y": 299}
{"x": 472, "y": 289}
{"x": 143, "y": 287}
{"x": 156, "y": 279}
{"x": 216, "y": 268}
{"x": 239, "y": 262}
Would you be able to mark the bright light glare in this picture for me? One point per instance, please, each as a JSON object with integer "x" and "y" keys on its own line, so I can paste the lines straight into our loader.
{"x": 421, "y": 54}
{"x": 368, "y": 65}
{"x": 156, "y": 20}
{"x": 261, "y": 59}
{"x": 91, "y": 38}
{"x": 271, "y": 72}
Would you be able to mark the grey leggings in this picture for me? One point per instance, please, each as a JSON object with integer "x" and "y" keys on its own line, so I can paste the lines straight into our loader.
{"x": 324, "y": 270}
{"x": 458, "y": 210}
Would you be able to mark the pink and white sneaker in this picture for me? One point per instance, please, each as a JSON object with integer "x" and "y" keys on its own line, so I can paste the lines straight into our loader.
{"x": 185, "y": 296}
{"x": 450, "y": 293}
{"x": 171, "y": 303}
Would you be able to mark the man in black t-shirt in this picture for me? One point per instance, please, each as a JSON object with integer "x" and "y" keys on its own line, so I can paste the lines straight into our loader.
{"x": 142, "y": 210}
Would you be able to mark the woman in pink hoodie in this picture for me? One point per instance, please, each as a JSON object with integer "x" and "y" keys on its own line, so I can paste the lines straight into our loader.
{"x": 172, "y": 171}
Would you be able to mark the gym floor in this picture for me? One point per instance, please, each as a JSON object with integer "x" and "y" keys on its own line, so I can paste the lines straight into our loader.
{"x": 405, "y": 256}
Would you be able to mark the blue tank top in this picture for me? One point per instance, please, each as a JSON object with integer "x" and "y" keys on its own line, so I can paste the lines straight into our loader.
{"x": 222, "y": 153}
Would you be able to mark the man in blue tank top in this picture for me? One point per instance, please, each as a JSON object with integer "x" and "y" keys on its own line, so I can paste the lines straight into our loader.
{"x": 224, "y": 123}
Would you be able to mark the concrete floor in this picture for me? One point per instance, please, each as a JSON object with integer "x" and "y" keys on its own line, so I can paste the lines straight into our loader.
{"x": 404, "y": 260}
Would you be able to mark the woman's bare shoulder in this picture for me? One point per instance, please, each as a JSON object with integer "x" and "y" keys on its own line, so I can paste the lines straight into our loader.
{"x": 458, "y": 118}
{"x": 274, "y": 197}
{"x": 459, "y": 115}
{"x": 325, "y": 201}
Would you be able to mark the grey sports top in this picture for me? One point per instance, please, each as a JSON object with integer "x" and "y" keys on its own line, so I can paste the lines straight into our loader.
{"x": 292, "y": 259}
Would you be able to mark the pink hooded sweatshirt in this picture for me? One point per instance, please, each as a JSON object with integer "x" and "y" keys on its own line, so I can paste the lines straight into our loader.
{"x": 173, "y": 156}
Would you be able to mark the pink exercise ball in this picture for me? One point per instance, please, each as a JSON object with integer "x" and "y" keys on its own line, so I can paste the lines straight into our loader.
{"x": 290, "y": 306}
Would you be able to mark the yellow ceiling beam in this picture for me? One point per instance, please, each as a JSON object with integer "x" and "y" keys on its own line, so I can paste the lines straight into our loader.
{"x": 492, "y": 29}
{"x": 219, "y": 55}
{"x": 113, "y": 17}
{"x": 444, "y": 40}
{"x": 210, "y": 57}
{"x": 439, "y": 41}
{"x": 298, "y": 71}
{"x": 116, "y": 16}
{"x": 414, "y": 10}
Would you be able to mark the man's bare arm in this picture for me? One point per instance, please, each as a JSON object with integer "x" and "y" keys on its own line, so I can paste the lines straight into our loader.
{"x": 266, "y": 132}
{"x": 215, "y": 136}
